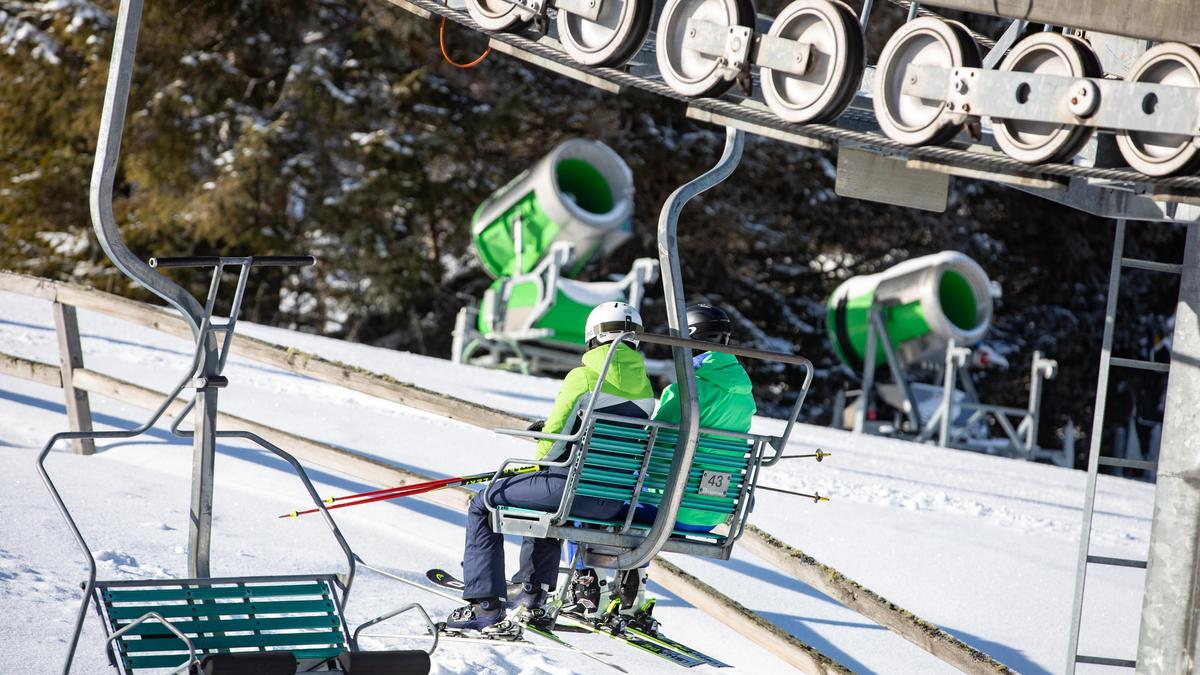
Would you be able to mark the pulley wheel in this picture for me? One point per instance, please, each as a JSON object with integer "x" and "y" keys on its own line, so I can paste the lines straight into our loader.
{"x": 1045, "y": 54}
{"x": 925, "y": 41}
{"x": 835, "y": 62}
{"x": 613, "y": 38}
{"x": 1159, "y": 154}
{"x": 497, "y": 15}
{"x": 686, "y": 70}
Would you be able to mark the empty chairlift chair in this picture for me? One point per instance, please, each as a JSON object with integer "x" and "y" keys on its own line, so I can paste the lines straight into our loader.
{"x": 264, "y": 625}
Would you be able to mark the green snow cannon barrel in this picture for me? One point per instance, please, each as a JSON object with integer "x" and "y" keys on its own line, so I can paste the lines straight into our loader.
{"x": 581, "y": 193}
{"x": 925, "y": 302}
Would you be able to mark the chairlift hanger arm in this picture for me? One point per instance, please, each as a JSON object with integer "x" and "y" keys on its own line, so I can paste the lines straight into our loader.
{"x": 689, "y": 406}
{"x": 704, "y": 345}
{"x": 104, "y": 172}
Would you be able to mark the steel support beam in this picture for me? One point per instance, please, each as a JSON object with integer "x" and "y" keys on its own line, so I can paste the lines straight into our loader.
{"x": 1168, "y": 642}
{"x": 204, "y": 446}
{"x": 1151, "y": 19}
{"x": 108, "y": 232}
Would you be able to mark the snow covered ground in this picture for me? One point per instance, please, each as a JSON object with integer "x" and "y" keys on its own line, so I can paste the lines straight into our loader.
{"x": 982, "y": 546}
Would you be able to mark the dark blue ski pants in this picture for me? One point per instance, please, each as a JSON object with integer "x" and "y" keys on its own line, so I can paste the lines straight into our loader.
{"x": 483, "y": 559}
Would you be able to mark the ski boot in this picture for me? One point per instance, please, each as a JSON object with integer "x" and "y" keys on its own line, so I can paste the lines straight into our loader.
{"x": 485, "y": 617}
{"x": 627, "y": 605}
{"x": 585, "y": 591}
{"x": 534, "y": 605}
{"x": 641, "y": 618}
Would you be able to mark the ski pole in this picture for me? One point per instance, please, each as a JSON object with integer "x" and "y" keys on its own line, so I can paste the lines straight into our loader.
{"x": 815, "y": 497}
{"x": 469, "y": 479}
{"x": 819, "y": 454}
{"x": 410, "y": 490}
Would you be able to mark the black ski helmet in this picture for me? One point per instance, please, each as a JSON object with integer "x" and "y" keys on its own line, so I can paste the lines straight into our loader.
{"x": 708, "y": 323}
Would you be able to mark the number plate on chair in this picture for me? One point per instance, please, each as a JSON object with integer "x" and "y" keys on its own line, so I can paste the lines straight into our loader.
{"x": 714, "y": 483}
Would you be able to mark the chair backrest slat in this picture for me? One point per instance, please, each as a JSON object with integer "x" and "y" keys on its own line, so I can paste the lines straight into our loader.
{"x": 297, "y": 614}
{"x": 616, "y": 451}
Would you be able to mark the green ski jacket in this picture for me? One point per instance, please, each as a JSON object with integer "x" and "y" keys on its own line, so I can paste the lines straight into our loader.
{"x": 626, "y": 391}
{"x": 726, "y": 402}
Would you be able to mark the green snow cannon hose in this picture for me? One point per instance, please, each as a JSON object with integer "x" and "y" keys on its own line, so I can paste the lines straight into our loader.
{"x": 581, "y": 192}
{"x": 925, "y": 302}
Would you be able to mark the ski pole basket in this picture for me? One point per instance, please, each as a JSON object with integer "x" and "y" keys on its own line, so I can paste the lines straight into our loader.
{"x": 629, "y": 459}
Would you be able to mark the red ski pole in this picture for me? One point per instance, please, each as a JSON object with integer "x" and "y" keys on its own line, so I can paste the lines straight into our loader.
{"x": 409, "y": 490}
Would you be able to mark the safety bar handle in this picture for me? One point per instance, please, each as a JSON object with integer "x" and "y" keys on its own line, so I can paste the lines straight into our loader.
{"x": 394, "y": 613}
{"x": 704, "y": 345}
{"x": 487, "y": 495}
{"x": 169, "y": 626}
{"x": 780, "y": 442}
{"x": 252, "y": 261}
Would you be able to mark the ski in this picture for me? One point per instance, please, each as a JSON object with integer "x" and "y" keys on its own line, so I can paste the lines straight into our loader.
{"x": 491, "y": 642}
{"x": 447, "y": 580}
{"x": 677, "y": 646}
{"x": 637, "y": 642}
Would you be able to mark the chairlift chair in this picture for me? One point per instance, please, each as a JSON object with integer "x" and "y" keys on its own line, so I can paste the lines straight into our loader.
{"x": 630, "y": 459}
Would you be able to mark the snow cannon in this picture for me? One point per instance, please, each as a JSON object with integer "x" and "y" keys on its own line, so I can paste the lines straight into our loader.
{"x": 581, "y": 193}
{"x": 923, "y": 302}
{"x": 534, "y": 235}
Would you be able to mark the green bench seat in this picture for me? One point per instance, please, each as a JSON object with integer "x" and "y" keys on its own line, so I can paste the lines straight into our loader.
{"x": 301, "y": 615}
{"x": 629, "y": 460}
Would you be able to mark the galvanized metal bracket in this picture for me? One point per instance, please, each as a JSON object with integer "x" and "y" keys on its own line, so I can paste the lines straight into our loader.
{"x": 782, "y": 54}
{"x": 737, "y": 47}
{"x": 588, "y": 9}
{"x": 1085, "y": 101}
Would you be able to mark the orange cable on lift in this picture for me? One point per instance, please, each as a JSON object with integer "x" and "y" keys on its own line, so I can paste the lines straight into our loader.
{"x": 442, "y": 45}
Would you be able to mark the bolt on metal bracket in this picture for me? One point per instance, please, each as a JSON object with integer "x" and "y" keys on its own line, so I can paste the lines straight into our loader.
{"x": 588, "y": 9}
{"x": 1055, "y": 99}
{"x": 737, "y": 47}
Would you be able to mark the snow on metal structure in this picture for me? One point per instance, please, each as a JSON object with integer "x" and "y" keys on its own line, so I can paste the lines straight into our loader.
{"x": 1034, "y": 112}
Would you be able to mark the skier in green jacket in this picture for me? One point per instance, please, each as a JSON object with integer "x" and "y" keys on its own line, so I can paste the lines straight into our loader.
{"x": 726, "y": 402}
{"x": 625, "y": 391}
{"x": 724, "y": 390}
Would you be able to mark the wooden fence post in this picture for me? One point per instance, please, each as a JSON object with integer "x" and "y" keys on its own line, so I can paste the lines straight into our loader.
{"x": 70, "y": 352}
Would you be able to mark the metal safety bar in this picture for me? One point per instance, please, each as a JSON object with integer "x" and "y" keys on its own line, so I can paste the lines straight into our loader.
{"x": 394, "y": 613}
{"x": 776, "y": 442}
{"x": 186, "y": 665}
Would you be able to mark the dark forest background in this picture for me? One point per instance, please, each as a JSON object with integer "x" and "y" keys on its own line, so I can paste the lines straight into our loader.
{"x": 336, "y": 128}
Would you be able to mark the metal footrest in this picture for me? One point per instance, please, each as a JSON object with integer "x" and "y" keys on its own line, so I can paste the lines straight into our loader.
{"x": 1151, "y": 265}
{"x": 1138, "y": 364}
{"x": 1104, "y": 661}
{"x": 1116, "y": 562}
{"x": 523, "y": 522}
{"x": 1128, "y": 463}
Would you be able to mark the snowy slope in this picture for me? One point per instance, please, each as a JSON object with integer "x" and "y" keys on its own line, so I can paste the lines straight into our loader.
{"x": 982, "y": 546}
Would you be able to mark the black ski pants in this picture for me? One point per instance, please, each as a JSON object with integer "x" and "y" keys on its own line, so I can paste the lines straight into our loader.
{"x": 483, "y": 559}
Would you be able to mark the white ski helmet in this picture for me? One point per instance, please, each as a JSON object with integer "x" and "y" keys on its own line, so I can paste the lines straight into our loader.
{"x": 610, "y": 319}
